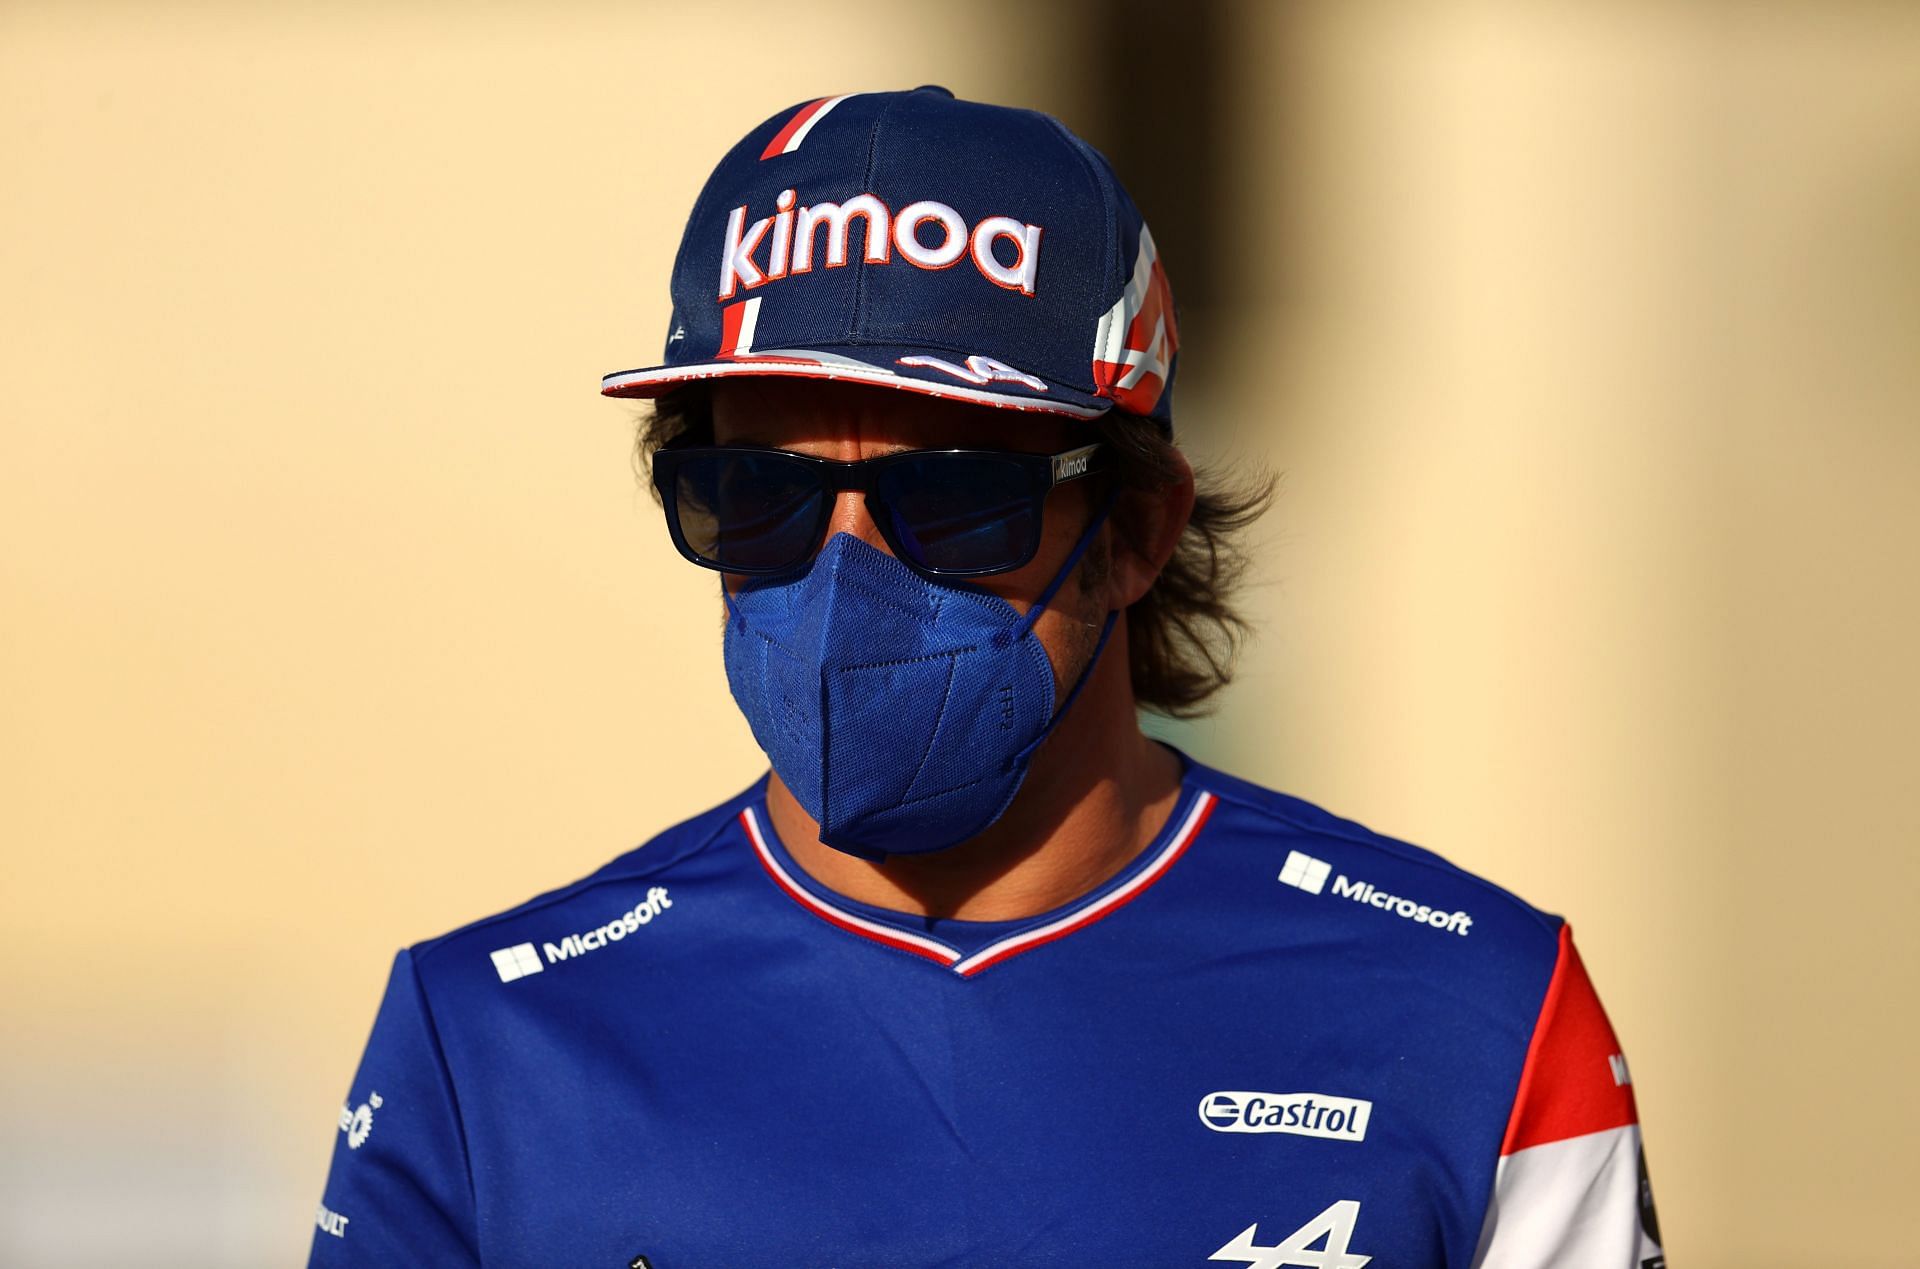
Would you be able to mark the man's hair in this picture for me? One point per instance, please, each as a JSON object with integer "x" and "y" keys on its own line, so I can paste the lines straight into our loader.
{"x": 1183, "y": 635}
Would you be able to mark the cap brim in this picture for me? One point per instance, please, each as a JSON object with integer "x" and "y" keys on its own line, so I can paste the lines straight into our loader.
{"x": 934, "y": 372}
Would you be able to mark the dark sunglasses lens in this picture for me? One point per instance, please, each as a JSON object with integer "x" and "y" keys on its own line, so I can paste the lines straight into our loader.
{"x": 749, "y": 512}
{"x": 963, "y": 513}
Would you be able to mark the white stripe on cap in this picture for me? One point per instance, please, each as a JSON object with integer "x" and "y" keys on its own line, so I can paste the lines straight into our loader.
{"x": 793, "y": 142}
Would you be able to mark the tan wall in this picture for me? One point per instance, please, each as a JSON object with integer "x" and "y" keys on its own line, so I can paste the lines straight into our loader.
{"x": 331, "y": 617}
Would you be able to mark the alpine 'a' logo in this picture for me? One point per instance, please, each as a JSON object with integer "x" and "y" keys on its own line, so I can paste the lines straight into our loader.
{"x": 1302, "y": 1114}
{"x": 1321, "y": 1243}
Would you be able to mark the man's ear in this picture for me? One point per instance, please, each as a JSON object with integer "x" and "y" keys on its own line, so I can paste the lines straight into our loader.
{"x": 1145, "y": 528}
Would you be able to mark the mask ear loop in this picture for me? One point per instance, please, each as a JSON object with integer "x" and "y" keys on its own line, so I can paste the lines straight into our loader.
{"x": 733, "y": 605}
{"x": 1106, "y": 629}
{"x": 1033, "y": 615}
{"x": 1005, "y": 637}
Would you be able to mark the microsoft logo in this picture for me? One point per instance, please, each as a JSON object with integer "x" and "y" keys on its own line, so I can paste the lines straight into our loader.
{"x": 1304, "y": 872}
{"x": 516, "y": 962}
{"x": 524, "y": 958}
{"x": 1300, "y": 870}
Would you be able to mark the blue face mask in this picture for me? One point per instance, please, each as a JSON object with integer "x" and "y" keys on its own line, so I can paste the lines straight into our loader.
{"x": 900, "y": 712}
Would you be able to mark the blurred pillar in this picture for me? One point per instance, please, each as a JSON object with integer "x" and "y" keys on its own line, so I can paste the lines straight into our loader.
{"x": 1157, "y": 79}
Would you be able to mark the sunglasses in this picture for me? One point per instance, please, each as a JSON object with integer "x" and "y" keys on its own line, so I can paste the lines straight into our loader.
{"x": 943, "y": 512}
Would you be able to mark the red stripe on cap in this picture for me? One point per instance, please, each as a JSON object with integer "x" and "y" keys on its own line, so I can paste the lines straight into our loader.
{"x": 730, "y": 328}
{"x": 1571, "y": 1084}
{"x": 779, "y": 143}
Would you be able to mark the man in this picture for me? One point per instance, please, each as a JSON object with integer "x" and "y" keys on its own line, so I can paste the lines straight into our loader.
{"x": 977, "y": 974}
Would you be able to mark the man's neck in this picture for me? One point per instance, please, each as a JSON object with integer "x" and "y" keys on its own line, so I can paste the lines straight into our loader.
{"x": 1097, "y": 795}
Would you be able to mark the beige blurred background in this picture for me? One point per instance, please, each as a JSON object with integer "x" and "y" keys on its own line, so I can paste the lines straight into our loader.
{"x": 332, "y": 616}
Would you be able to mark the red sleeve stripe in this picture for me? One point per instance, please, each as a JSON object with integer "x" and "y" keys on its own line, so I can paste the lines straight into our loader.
{"x": 1574, "y": 1081}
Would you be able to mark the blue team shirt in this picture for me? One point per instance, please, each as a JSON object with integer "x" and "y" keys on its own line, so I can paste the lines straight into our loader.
{"x": 1276, "y": 1038}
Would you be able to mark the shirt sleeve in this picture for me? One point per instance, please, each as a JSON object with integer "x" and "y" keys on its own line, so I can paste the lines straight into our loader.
{"x": 399, "y": 1191}
{"x": 1571, "y": 1186}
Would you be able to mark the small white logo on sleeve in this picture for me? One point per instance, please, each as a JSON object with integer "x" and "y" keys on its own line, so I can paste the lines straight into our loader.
{"x": 1305, "y": 871}
{"x": 516, "y": 962}
{"x": 523, "y": 958}
{"x": 1302, "y": 1114}
{"x": 1617, "y": 1063}
{"x": 1419, "y": 913}
{"x": 332, "y": 1222}
{"x": 357, "y": 1122}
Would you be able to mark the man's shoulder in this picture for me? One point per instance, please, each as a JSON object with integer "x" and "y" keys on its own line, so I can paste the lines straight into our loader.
{"x": 1377, "y": 883}
{"x": 607, "y": 904}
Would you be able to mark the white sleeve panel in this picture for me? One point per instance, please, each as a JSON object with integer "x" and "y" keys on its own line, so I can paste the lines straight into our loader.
{"x": 1579, "y": 1203}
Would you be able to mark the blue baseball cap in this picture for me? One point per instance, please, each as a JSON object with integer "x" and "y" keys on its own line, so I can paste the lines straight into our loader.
{"x": 916, "y": 241}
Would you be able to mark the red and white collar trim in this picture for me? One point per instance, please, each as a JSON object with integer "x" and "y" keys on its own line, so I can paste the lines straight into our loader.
{"x": 940, "y": 953}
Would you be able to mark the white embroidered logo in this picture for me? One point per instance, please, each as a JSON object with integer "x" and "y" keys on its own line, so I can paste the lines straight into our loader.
{"x": 1335, "y": 1225}
{"x": 978, "y": 370}
{"x": 357, "y": 1122}
{"x": 1305, "y": 871}
{"x": 331, "y": 1221}
{"x": 795, "y": 230}
{"x": 522, "y": 958}
{"x": 516, "y": 962}
{"x": 1303, "y": 1114}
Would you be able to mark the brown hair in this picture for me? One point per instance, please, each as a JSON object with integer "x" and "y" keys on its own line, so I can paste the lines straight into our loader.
{"x": 1185, "y": 632}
